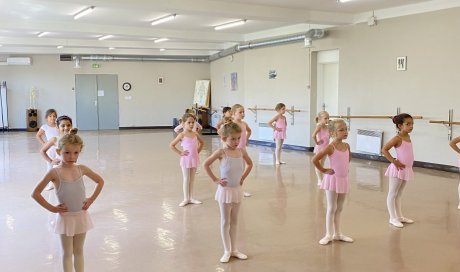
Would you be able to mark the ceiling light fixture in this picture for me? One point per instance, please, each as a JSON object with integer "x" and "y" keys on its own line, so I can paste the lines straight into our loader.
{"x": 163, "y": 19}
{"x": 112, "y": 48}
{"x": 83, "y": 12}
{"x": 59, "y": 46}
{"x": 343, "y": 1}
{"x": 162, "y": 49}
{"x": 105, "y": 37}
{"x": 160, "y": 40}
{"x": 41, "y": 34}
{"x": 231, "y": 24}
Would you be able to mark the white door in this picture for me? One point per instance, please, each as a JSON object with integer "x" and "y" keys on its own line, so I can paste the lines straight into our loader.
{"x": 328, "y": 81}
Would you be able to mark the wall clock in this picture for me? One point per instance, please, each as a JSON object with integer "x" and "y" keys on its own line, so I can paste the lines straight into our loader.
{"x": 126, "y": 86}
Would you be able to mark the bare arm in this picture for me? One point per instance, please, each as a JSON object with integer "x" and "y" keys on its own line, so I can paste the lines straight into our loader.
{"x": 248, "y": 167}
{"x": 45, "y": 148}
{"x": 207, "y": 167}
{"x": 39, "y": 136}
{"x": 173, "y": 144}
{"x": 99, "y": 184}
{"x": 394, "y": 142}
{"x": 178, "y": 128}
{"x": 454, "y": 143}
{"x": 316, "y": 160}
{"x": 248, "y": 132}
{"x": 270, "y": 123}
{"x": 313, "y": 136}
{"x": 349, "y": 152}
{"x": 37, "y": 193}
{"x": 219, "y": 124}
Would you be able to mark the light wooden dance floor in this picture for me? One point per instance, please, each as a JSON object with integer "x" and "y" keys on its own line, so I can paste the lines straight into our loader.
{"x": 140, "y": 227}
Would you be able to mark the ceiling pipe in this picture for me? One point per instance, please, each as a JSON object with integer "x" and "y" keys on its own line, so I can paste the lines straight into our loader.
{"x": 144, "y": 58}
{"x": 311, "y": 34}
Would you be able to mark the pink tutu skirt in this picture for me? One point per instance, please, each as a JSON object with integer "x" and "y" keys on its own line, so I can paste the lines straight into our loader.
{"x": 404, "y": 174}
{"x": 71, "y": 223}
{"x": 229, "y": 194}
{"x": 189, "y": 161}
{"x": 340, "y": 185}
{"x": 279, "y": 134}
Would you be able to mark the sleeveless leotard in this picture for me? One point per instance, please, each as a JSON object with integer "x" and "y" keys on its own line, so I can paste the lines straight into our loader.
{"x": 404, "y": 154}
{"x": 323, "y": 135}
{"x": 243, "y": 139}
{"x": 338, "y": 182}
{"x": 71, "y": 193}
{"x": 192, "y": 160}
{"x": 231, "y": 169}
{"x": 280, "y": 123}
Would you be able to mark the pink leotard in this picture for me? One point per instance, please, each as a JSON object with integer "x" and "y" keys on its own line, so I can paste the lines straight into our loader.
{"x": 323, "y": 134}
{"x": 243, "y": 140}
{"x": 280, "y": 123}
{"x": 338, "y": 182}
{"x": 404, "y": 154}
{"x": 192, "y": 159}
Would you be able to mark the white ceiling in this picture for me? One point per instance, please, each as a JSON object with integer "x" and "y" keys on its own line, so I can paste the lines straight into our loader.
{"x": 191, "y": 33}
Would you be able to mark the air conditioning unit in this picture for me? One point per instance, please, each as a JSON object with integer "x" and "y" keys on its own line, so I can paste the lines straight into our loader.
{"x": 19, "y": 61}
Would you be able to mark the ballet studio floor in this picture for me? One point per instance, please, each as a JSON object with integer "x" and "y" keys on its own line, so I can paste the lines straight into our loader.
{"x": 140, "y": 227}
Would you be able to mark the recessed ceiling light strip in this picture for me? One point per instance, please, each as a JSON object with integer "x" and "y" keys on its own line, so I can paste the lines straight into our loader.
{"x": 163, "y": 19}
{"x": 231, "y": 24}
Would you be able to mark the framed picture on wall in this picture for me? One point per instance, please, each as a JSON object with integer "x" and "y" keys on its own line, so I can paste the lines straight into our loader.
{"x": 161, "y": 80}
{"x": 401, "y": 63}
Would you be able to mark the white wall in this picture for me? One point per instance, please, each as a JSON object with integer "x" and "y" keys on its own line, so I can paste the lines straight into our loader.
{"x": 368, "y": 80}
{"x": 151, "y": 104}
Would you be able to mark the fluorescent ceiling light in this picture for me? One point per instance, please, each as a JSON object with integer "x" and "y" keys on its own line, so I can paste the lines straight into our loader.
{"x": 231, "y": 24}
{"x": 163, "y": 19}
{"x": 83, "y": 12}
{"x": 41, "y": 34}
{"x": 162, "y": 49}
{"x": 60, "y": 47}
{"x": 111, "y": 48}
{"x": 343, "y": 1}
{"x": 160, "y": 40}
{"x": 105, "y": 37}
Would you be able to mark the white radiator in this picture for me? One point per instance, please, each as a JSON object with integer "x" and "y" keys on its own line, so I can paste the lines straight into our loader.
{"x": 369, "y": 141}
{"x": 265, "y": 132}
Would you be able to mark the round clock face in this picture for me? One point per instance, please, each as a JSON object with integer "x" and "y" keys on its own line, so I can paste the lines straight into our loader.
{"x": 126, "y": 86}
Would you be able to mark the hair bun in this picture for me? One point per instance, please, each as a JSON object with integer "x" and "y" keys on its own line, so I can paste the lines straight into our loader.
{"x": 73, "y": 131}
{"x": 393, "y": 119}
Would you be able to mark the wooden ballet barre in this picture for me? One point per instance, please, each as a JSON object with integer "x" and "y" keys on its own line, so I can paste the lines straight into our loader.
{"x": 444, "y": 122}
{"x": 370, "y": 116}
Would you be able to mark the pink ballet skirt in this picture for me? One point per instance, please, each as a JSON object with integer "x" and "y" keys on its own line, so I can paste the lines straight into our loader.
{"x": 405, "y": 155}
{"x": 192, "y": 160}
{"x": 323, "y": 135}
{"x": 338, "y": 182}
{"x": 72, "y": 223}
{"x": 229, "y": 194}
{"x": 280, "y": 123}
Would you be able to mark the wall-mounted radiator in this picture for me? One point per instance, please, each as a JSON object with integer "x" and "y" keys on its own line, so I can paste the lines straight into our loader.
{"x": 369, "y": 141}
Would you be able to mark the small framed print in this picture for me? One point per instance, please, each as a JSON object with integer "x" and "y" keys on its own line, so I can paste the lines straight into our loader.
{"x": 401, "y": 63}
{"x": 161, "y": 80}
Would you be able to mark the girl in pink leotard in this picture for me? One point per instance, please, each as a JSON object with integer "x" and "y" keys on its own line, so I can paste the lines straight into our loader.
{"x": 278, "y": 124}
{"x": 321, "y": 138}
{"x": 335, "y": 181}
{"x": 454, "y": 145}
{"x": 400, "y": 169}
{"x": 192, "y": 144}
{"x": 238, "y": 116}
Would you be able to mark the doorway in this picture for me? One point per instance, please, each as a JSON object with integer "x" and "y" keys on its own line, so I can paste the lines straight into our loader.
{"x": 97, "y": 102}
{"x": 328, "y": 81}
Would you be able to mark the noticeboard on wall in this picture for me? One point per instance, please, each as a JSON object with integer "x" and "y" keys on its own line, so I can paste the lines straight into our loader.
{"x": 202, "y": 93}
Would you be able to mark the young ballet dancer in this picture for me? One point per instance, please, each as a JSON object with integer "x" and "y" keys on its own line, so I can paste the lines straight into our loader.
{"x": 73, "y": 220}
{"x": 229, "y": 194}
{"x": 192, "y": 144}
{"x": 400, "y": 169}
{"x": 64, "y": 125}
{"x": 335, "y": 181}
{"x": 278, "y": 124}
{"x": 454, "y": 145}
{"x": 227, "y": 112}
{"x": 238, "y": 116}
{"x": 196, "y": 127}
{"x": 321, "y": 138}
{"x": 49, "y": 130}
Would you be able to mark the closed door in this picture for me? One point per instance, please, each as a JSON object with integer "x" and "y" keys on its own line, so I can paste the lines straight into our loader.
{"x": 328, "y": 81}
{"x": 97, "y": 101}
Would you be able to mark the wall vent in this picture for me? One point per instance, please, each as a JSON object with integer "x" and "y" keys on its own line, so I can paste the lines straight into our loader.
{"x": 19, "y": 61}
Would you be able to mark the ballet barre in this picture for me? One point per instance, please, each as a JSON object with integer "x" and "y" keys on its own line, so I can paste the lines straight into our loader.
{"x": 449, "y": 124}
{"x": 291, "y": 112}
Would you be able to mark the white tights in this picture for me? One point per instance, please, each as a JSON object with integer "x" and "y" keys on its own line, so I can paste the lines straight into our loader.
{"x": 188, "y": 179}
{"x": 279, "y": 144}
{"x": 72, "y": 252}
{"x": 395, "y": 190}
{"x": 229, "y": 224}
{"x": 319, "y": 174}
{"x": 334, "y": 209}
